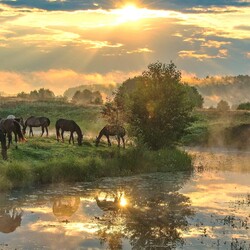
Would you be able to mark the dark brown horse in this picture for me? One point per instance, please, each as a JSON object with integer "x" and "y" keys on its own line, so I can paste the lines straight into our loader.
{"x": 112, "y": 130}
{"x": 33, "y": 121}
{"x": 71, "y": 126}
{"x": 8, "y": 126}
{"x": 3, "y": 145}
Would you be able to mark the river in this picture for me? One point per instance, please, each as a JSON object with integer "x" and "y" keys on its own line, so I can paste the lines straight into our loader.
{"x": 208, "y": 208}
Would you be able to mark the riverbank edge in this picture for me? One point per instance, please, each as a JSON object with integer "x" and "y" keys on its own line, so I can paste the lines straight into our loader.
{"x": 90, "y": 164}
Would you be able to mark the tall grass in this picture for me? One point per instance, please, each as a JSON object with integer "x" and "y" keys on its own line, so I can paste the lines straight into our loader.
{"x": 44, "y": 160}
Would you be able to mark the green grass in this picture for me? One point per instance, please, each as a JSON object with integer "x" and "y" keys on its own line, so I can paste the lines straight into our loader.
{"x": 87, "y": 117}
{"x": 211, "y": 126}
{"x": 44, "y": 160}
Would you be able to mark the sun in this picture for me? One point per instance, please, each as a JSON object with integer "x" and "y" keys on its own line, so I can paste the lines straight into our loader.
{"x": 130, "y": 13}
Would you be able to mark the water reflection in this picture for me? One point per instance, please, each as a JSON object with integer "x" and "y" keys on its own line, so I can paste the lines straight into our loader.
{"x": 10, "y": 219}
{"x": 153, "y": 217}
{"x": 65, "y": 206}
{"x": 207, "y": 209}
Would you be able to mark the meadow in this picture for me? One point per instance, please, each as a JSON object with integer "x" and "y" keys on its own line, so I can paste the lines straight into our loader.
{"x": 44, "y": 160}
{"x": 216, "y": 128}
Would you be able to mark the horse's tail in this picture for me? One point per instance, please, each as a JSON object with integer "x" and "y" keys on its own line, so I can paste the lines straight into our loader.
{"x": 19, "y": 131}
{"x": 57, "y": 130}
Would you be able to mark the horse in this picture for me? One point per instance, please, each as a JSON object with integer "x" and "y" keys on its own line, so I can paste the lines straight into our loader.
{"x": 33, "y": 121}
{"x": 68, "y": 125}
{"x": 8, "y": 126}
{"x": 112, "y": 130}
{"x": 3, "y": 145}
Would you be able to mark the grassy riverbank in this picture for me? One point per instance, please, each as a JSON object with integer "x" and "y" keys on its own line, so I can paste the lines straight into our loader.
{"x": 44, "y": 160}
{"x": 215, "y": 128}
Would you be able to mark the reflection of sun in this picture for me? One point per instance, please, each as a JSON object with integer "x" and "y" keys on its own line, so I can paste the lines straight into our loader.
{"x": 123, "y": 202}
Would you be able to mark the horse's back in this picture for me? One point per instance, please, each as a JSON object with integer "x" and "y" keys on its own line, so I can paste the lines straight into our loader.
{"x": 37, "y": 121}
{"x": 65, "y": 124}
{"x": 113, "y": 130}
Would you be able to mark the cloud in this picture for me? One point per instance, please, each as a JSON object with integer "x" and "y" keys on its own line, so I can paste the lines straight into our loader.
{"x": 222, "y": 53}
{"x": 103, "y": 39}
{"x": 56, "y": 80}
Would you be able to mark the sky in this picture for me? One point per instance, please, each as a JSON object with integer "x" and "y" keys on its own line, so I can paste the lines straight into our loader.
{"x": 58, "y": 44}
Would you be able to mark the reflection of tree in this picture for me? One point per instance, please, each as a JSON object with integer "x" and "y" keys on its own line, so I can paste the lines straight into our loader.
{"x": 10, "y": 219}
{"x": 154, "y": 218}
{"x": 157, "y": 222}
{"x": 65, "y": 206}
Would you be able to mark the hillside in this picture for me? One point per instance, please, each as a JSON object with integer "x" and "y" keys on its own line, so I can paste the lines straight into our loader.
{"x": 233, "y": 89}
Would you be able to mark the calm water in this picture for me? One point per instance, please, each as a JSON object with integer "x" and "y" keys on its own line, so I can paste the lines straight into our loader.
{"x": 206, "y": 209}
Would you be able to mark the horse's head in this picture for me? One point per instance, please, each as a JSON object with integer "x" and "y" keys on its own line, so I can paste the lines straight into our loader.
{"x": 24, "y": 129}
{"x": 97, "y": 141}
{"x": 79, "y": 139}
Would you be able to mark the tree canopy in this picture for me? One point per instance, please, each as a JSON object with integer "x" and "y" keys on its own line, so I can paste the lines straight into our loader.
{"x": 156, "y": 105}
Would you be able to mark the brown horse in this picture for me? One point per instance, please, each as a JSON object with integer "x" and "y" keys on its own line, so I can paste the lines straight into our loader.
{"x": 3, "y": 145}
{"x": 8, "y": 126}
{"x": 112, "y": 130}
{"x": 68, "y": 125}
{"x": 33, "y": 121}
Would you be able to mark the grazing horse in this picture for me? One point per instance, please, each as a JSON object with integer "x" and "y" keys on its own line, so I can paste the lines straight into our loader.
{"x": 33, "y": 121}
{"x": 3, "y": 145}
{"x": 68, "y": 125}
{"x": 112, "y": 130}
{"x": 8, "y": 126}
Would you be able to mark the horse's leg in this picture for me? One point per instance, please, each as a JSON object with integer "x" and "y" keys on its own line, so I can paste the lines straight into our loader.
{"x": 62, "y": 135}
{"x": 31, "y": 132}
{"x": 73, "y": 138}
{"x": 109, "y": 143}
{"x": 70, "y": 137}
{"x": 57, "y": 134}
{"x": 16, "y": 139}
{"x": 47, "y": 131}
{"x": 119, "y": 140}
{"x": 123, "y": 141}
{"x": 4, "y": 149}
{"x": 42, "y": 131}
{"x": 9, "y": 135}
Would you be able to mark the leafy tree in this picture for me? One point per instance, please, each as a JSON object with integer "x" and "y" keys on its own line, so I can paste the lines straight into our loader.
{"x": 41, "y": 94}
{"x": 223, "y": 105}
{"x": 158, "y": 107}
{"x": 194, "y": 96}
{"x": 87, "y": 97}
{"x": 244, "y": 106}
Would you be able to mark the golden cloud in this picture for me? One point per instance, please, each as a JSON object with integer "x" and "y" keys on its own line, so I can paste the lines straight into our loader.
{"x": 56, "y": 80}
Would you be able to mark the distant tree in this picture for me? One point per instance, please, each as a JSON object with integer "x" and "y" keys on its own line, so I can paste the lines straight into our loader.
{"x": 87, "y": 97}
{"x": 244, "y": 106}
{"x": 194, "y": 96}
{"x": 45, "y": 94}
{"x": 97, "y": 98}
{"x": 41, "y": 94}
{"x": 23, "y": 95}
{"x": 223, "y": 106}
